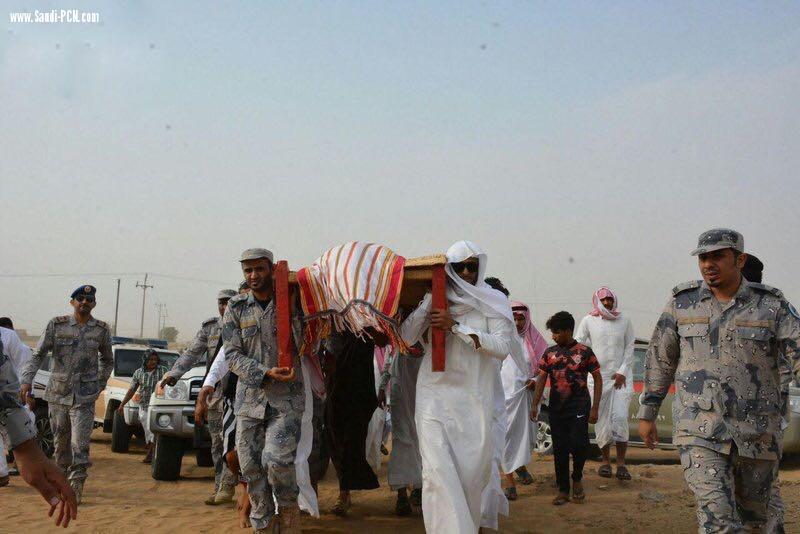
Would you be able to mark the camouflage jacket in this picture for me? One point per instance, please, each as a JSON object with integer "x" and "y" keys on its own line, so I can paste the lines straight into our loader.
{"x": 204, "y": 344}
{"x": 726, "y": 363}
{"x": 251, "y": 349}
{"x": 14, "y": 420}
{"x": 81, "y": 360}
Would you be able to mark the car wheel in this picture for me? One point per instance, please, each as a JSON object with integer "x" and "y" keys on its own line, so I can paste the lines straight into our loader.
{"x": 44, "y": 433}
{"x": 544, "y": 438}
{"x": 120, "y": 434}
{"x": 167, "y": 457}
{"x": 204, "y": 457}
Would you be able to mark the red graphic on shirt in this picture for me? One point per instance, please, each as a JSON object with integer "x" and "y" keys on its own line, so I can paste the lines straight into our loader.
{"x": 568, "y": 369}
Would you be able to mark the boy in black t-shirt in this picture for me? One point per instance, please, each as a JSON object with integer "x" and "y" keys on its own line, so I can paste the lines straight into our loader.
{"x": 571, "y": 408}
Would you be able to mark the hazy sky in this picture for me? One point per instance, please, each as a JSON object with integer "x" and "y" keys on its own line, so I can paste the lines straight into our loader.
{"x": 175, "y": 134}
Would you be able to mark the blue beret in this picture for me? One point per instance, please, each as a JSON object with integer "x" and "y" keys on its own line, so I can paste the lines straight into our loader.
{"x": 84, "y": 291}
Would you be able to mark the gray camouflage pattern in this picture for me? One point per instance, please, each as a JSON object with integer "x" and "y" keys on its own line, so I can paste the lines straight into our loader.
{"x": 72, "y": 430}
{"x": 267, "y": 448}
{"x": 81, "y": 360}
{"x": 223, "y": 477}
{"x": 717, "y": 239}
{"x": 731, "y": 491}
{"x": 725, "y": 361}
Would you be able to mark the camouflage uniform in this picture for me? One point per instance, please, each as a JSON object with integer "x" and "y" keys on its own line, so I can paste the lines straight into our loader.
{"x": 81, "y": 363}
{"x": 268, "y": 413}
{"x": 14, "y": 419}
{"x": 207, "y": 342}
{"x": 725, "y": 360}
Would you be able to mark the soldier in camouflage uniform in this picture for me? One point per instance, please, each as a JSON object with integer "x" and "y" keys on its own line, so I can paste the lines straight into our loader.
{"x": 81, "y": 363}
{"x": 722, "y": 340}
{"x": 207, "y": 342}
{"x": 269, "y": 400}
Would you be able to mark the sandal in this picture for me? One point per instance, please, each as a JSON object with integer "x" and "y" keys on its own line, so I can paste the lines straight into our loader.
{"x": 623, "y": 473}
{"x": 524, "y": 477}
{"x": 560, "y": 499}
{"x": 341, "y": 507}
{"x": 510, "y": 493}
{"x": 605, "y": 471}
{"x": 578, "y": 495}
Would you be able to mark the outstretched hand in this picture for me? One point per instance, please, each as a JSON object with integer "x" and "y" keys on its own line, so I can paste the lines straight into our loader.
{"x": 42, "y": 474}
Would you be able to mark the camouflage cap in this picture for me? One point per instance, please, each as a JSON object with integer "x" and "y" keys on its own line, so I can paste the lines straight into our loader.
{"x": 718, "y": 239}
{"x": 256, "y": 254}
{"x": 226, "y": 294}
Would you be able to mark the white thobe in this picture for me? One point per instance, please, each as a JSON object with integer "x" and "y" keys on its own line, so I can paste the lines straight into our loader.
{"x": 307, "y": 498}
{"x": 493, "y": 500}
{"x": 405, "y": 464}
{"x": 454, "y": 416}
{"x": 18, "y": 354}
{"x": 519, "y": 437}
{"x": 612, "y": 343}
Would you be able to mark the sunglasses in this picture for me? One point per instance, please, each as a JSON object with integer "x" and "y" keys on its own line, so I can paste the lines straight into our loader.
{"x": 471, "y": 266}
{"x": 83, "y": 298}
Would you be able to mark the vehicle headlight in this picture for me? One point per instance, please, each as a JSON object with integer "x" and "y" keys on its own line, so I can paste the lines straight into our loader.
{"x": 164, "y": 420}
{"x": 178, "y": 392}
{"x": 794, "y": 404}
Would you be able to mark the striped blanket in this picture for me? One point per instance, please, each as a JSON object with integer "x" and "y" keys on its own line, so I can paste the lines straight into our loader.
{"x": 352, "y": 287}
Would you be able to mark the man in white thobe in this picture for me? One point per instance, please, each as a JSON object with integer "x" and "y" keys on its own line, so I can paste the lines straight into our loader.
{"x": 18, "y": 354}
{"x": 610, "y": 336}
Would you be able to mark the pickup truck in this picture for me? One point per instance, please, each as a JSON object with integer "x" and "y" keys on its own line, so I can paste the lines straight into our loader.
{"x": 172, "y": 423}
{"x": 127, "y": 358}
{"x": 544, "y": 442}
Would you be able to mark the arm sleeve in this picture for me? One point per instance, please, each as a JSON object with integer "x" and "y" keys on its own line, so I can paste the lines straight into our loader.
{"x": 495, "y": 343}
{"x": 592, "y": 364}
{"x": 789, "y": 339}
{"x": 17, "y": 351}
{"x": 106, "y": 364}
{"x": 191, "y": 355}
{"x": 627, "y": 356}
{"x": 136, "y": 379}
{"x": 415, "y": 324}
{"x": 248, "y": 370}
{"x": 660, "y": 364}
{"x": 44, "y": 346}
{"x": 218, "y": 369}
{"x": 13, "y": 417}
{"x": 582, "y": 335}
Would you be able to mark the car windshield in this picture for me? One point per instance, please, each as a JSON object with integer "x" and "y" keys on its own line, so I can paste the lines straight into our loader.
{"x": 126, "y": 361}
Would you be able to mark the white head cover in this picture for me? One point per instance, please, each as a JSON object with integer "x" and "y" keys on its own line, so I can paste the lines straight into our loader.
{"x": 461, "y": 295}
{"x": 480, "y": 296}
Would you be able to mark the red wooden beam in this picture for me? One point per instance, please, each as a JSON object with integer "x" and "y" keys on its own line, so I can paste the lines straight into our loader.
{"x": 281, "y": 285}
{"x": 438, "y": 301}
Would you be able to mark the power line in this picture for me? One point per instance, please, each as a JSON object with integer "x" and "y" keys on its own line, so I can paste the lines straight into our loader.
{"x": 158, "y": 275}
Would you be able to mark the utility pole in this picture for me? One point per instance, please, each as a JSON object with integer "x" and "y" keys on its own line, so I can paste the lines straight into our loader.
{"x": 116, "y": 308}
{"x": 144, "y": 287}
{"x": 162, "y": 317}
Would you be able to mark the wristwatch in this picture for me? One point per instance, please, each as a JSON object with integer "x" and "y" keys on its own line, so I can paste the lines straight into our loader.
{"x": 453, "y": 328}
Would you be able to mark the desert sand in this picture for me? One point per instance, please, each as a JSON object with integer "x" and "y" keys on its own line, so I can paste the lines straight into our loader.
{"x": 120, "y": 496}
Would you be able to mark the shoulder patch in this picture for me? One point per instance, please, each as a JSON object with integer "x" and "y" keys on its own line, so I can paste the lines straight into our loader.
{"x": 680, "y": 288}
{"x": 209, "y": 321}
{"x": 767, "y": 289}
{"x": 101, "y": 324}
{"x": 793, "y": 310}
{"x": 61, "y": 319}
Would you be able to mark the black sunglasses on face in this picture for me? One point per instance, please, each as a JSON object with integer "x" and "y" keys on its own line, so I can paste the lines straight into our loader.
{"x": 471, "y": 266}
{"x": 84, "y": 298}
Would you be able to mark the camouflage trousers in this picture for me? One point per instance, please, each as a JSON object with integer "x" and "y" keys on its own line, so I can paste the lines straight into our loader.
{"x": 223, "y": 477}
{"x": 267, "y": 449}
{"x": 732, "y": 492}
{"x": 72, "y": 430}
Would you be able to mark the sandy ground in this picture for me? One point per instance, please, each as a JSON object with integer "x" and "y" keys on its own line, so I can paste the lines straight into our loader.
{"x": 120, "y": 496}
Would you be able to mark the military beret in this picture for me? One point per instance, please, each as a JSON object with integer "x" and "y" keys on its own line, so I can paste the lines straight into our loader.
{"x": 226, "y": 294}
{"x": 84, "y": 291}
{"x": 718, "y": 239}
{"x": 256, "y": 254}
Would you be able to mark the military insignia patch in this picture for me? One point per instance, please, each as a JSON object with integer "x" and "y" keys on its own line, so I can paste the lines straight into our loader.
{"x": 87, "y": 289}
{"x": 793, "y": 311}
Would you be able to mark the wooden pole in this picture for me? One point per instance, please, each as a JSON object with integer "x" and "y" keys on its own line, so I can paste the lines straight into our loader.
{"x": 439, "y": 301}
{"x": 282, "y": 314}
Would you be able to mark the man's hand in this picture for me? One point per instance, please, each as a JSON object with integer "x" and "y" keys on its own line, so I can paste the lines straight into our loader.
{"x": 441, "y": 319}
{"x": 531, "y": 384}
{"x": 169, "y": 381}
{"x": 43, "y": 475}
{"x": 593, "y": 415}
{"x": 281, "y": 374}
{"x": 534, "y": 411}
{"x": 619, "y": 381}
{"x": 121, "y": 409}
{"x": 649, "y": 433}
{"x": 25, "y": 394}
{"x": 382, "y": 398}
{"x": 201, "y": 405}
